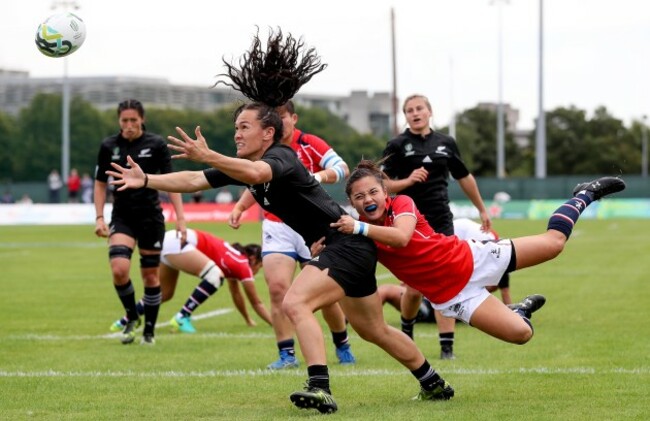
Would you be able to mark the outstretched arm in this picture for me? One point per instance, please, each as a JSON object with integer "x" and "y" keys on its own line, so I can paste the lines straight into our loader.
{"x": 244, "y": 170}
{"x": 135, "y": 178}
{"x": 238, "y": 299}
{"x": 256, "y": 302}
{"x": 398, "y": 235}
{"x": 470, "y": 188}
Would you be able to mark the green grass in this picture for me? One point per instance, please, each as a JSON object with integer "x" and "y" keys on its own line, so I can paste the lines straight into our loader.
{"x": 589, "y": 359}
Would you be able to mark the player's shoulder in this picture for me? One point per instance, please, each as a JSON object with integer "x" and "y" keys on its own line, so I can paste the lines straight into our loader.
{"x": 399, "y": 139}
{"x": 110, "y": 141}
{"x": 401, "y": 203}
{"x": 443, "y": 137}
{"x": 153, "y": 138}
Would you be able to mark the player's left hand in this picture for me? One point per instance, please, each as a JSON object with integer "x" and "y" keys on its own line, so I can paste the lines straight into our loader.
{"x": 127, "y": 178}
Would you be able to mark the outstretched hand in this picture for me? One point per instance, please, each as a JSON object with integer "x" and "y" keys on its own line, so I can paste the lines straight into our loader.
{"x": 193, "y": 149}
{"x": 127, "y": 178}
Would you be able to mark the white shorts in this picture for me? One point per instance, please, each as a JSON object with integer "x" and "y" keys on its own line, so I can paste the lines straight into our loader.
{"x": 172, "y": 244}
{"x": 278, "y": 237}
{"x": 491, "y": 259}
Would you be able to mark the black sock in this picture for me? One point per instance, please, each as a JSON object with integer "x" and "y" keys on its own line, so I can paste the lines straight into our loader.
{"x": 340, "y": 339}
{"x": 446, "y": 340}
{"x": 126, "y": 293}
{"x": 427, "y": 376}
{"x": 408, "y": 325}
{"x": 152, "y": 299}
{"x": 202, "y": 292}
{"x": 139, "y": 306}
{"x": 319, "y": 377}
{"x": 287, "y": 346}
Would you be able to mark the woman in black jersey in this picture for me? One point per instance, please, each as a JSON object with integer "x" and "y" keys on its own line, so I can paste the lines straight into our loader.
{"x": 418, "y": 163}
{"x": 137, "y": 217}
{"x": 280, "y": 183}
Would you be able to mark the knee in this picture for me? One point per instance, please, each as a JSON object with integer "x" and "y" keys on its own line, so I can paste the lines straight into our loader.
{"x": 370, "y": 332}
{"x": 277, "y": 290}
{"x": 521, "y": 335}
{"x": 292, "y": 307}
{"x": 557, "y": 243}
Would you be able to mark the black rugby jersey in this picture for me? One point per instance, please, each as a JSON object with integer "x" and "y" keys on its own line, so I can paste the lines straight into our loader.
{"x": 150, "y": 152}
{"x": 293, "y": 194}
{"x": 439, "y": 155}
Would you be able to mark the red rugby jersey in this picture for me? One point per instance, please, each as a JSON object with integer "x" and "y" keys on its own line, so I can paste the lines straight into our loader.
{"x": 436, "y": 265}
{"x": 233, "y": 263}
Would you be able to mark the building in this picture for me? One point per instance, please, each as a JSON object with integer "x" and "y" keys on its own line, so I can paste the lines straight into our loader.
{"x": 367, "y": 114}
{"x": 511, "y": 117}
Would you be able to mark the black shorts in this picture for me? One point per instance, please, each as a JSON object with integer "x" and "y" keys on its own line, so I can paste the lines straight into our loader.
{"x": 352, "y": 262}
{"x": 147, "y": 228}
{"x": 504, "y": 282}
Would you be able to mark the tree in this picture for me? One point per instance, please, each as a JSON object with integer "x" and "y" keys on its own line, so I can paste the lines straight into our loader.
{"x": 88, "y": 127}
{"x": 9, "y": 144}
{"x": 40, "y": 133}
{"x": 476, "y": 139}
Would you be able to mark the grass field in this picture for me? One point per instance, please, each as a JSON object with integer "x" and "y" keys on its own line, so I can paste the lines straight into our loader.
{"x": 589, "y": 359}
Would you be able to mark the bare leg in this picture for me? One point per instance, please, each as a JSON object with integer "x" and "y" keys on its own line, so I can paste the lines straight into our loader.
{"x": 311, "y": 290}
{"x": 279, "y": 271}
{"x": 391, "y": 294}
{"x": 334, "y": 317}
{"x": 496, "y": 319}
{"x": 367, "y": 318}
{"x": 168, "y": 281}
{"x": 410, "y": 304}
{"x": 535, "y": 249}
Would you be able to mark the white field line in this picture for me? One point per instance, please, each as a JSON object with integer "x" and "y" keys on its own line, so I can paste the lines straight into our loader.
{"x": 344, "y": 372}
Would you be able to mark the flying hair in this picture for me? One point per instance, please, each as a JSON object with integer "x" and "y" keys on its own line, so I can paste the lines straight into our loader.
{"x": 273, "y": 76}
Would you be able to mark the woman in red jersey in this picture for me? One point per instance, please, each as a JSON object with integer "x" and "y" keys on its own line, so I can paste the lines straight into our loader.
{"x": 453, "y": 274}
{"x": 211, "y": 259}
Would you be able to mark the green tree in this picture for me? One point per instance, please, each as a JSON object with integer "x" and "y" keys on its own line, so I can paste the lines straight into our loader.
{"x": 577, "y": 145}
{"x": 88, "y": 127}
{"x": 40, "y": 132}
{"x": 477, "y": 138}
{"x": 9, "y": 144}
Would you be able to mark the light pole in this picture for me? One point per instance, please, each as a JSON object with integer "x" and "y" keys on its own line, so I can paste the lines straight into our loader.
{"x": 540, "y": 136}
{"x": 394, "y": 61}
{"x": 65, "y": 101}
{"x": 501, "y": 155}
{"x": 644, "y": 148}
{"x": 452, "y": 120}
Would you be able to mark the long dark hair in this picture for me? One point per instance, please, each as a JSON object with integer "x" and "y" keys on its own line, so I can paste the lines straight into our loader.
{"x": 251, "y": 250}
{"x": 273, "y": 76}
